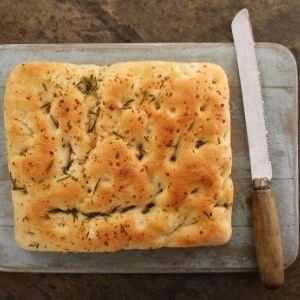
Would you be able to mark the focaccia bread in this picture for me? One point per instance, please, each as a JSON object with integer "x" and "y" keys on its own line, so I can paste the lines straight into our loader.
{"x": 133, "y": 155}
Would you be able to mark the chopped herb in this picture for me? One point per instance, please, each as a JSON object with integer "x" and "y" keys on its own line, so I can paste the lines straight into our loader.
{"x": 55, "y": 122}
{"x": 59, "y": 86}
{"x": 200, "y": 143}
{"x": 114, "y": 210}
{"x": 144, "y": 97}
{"x": 127, "y": 104}
{"x": 173, "y": 157}
{"x": 94, "y": 110}
{"x": 159, "y": 191}
{"x": 191, "y": 126}
{"x": 57, "y": 210}
{"x": 170, "y": 144}
{"x": 93, "y": 115}
{"x": 195, "y": 190}
{"x": 86, "y": 157}
{"x": 123, "y": 230}
{"x": 74, "y": 212}
{"x": 208, "y": 214}
{"x": 117, "y": 134}
{"x": 95, "y": 214}
{"x": 203, "y": 107}
{"x": 163, "y": 81}
{"x": 45, "y": 87}
{"x": 152, "y": 204}
{"x": 88, "y": 85}
{"x": 141, "y": 152}
{"x": 35, "y": 245}
{"x": 49, "y": 167}
{"x": 146, "y": 138}
{"x": 15, "y": 187}
{"x": 47, "y": 107}
{"x": 148, "y": 115}
{"x": 66, "y": 168}
{"x": 96, "y": 186}
{"x": 156, "y": 105}
{"x": 63, "y": 178}
{"x": 24, "y": 151}
{"x": 26, "y": 125}
{"x": 127, "y": 208}
{"x": 152, "y": 97}
{"x": 147, "y": 208}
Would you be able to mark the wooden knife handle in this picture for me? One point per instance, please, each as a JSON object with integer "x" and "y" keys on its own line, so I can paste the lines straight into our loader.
{"x": 267, "y": 238}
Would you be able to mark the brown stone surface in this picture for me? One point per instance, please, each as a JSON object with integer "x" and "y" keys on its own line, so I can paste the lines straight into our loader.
{"x": 145, "y": 21}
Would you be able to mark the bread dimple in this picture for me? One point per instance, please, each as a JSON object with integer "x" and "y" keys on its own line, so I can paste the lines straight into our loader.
{"x": 133, "y": 155}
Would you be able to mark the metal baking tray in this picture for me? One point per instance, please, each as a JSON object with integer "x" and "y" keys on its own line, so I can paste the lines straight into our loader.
{"x": 279, "y": 81}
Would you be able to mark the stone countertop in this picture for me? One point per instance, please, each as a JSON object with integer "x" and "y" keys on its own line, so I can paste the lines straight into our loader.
{"x": 145, "y": 21}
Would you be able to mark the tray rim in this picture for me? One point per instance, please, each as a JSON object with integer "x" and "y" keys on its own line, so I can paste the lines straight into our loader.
{"x": 271, "y": 45}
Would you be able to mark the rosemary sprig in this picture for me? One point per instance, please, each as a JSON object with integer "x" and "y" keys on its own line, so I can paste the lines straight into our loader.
{"x": 88, "y": 85}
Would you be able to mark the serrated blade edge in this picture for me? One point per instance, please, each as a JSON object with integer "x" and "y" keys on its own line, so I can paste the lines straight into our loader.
{"x": 252, "y": 97}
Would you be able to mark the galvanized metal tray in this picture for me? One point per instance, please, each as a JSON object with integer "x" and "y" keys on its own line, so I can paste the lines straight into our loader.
{"x": 279, "y": 81}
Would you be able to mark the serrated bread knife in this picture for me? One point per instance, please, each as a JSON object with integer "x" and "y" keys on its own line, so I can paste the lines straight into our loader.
{"x": 266, "y": 227}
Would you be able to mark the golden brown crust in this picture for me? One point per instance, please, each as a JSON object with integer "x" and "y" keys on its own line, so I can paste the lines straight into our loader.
{"x": 129, "y": 156}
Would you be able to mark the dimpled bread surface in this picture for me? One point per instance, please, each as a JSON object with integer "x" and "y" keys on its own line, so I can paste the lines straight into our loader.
{"x": 133, "y": 155}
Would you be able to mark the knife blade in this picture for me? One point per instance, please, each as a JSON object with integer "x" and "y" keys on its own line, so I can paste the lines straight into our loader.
{"x": 252, "y": 96}
{"x": 268, "y": 244}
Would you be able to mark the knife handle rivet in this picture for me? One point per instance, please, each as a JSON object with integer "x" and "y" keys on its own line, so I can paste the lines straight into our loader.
{"x": 260, "y": 183}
